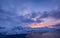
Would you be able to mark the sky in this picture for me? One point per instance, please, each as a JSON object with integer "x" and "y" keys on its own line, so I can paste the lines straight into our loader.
{"x": 16, "y": 15}
{"x": 38, "y": 5}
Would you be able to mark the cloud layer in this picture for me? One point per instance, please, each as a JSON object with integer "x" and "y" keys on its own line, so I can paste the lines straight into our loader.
{"x": 15, "y": 15}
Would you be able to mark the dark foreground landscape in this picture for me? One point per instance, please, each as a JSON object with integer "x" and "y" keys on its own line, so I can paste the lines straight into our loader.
{"x": 54, "y": 34}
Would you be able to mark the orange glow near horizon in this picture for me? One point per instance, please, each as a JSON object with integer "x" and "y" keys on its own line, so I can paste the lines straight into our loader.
{"x": 44, "y": 24}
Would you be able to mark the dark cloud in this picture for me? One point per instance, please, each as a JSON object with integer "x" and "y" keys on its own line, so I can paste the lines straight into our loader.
{"x": 57, "y": 26}
{"x": 2, "y": 27}
{"x": 28, "y": 21}
{"x": 55, "y": 14}
{"x": 45, "y": 14}
{"x": 35, "y": 14}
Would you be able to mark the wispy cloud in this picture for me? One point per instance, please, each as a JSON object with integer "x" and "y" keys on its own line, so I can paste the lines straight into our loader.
{"x": 45, "y": 24}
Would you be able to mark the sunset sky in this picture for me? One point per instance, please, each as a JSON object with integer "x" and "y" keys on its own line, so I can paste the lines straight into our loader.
{"x": 28, "y": 14}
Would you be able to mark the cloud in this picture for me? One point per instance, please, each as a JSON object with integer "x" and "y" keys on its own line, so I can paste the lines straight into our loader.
{"x": 45, "y": 23}
{"x": 44, "y": 15}
{"x": 10, "y": 17}
{"x": 57, "y": 26}
{"x": 55, "y": 14}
